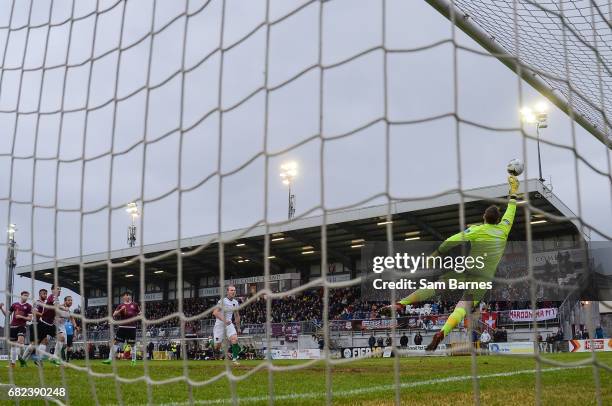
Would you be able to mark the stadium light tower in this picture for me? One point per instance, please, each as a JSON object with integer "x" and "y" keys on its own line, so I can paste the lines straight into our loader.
{"x": 537, "y": 115}
{"x": 288, "y": 174}
{"x": 11, "y": 263}
{"x": 132, "y": 209}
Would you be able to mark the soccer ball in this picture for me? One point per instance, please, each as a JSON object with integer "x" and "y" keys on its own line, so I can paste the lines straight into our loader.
{"x": 515, "y": 167}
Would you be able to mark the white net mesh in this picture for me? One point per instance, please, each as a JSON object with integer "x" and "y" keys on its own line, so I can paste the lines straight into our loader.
{"x": 188, "y": 108}
{"x": 565, "y": 43}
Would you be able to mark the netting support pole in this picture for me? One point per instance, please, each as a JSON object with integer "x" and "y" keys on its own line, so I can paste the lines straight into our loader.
{"x": 539, "y": 156}
{"x": 444, "y": 7}
{"x": 11, "y": 262}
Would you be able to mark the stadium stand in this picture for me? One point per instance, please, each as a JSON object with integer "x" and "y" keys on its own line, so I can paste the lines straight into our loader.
{"x": 432, "y": 220}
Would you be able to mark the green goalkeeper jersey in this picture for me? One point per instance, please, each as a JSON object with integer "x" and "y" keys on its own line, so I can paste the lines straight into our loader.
{"x": 487, "y": 240}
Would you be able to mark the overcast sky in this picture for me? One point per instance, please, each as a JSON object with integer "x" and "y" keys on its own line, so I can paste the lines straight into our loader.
{"x": 420, "y": 86}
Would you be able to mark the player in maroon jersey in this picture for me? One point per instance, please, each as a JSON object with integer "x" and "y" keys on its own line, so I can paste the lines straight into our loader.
{"x": 126, "y": 331}
{"x": 21, "y": 314}
{"x": 38, "y": 334}
{"x": 47, "y": 320}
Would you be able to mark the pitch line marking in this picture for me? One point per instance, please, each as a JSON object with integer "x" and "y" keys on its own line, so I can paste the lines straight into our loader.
{"x": 360, "y": 391}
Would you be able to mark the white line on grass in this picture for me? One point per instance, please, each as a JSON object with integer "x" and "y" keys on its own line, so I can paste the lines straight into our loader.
{"x": 370, "y": 389}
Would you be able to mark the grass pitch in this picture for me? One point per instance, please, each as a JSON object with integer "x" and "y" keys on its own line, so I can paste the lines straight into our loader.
{"x": 445, "y": 381}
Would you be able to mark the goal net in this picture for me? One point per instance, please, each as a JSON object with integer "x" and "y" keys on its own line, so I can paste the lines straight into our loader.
{"x": 189, "y": 109}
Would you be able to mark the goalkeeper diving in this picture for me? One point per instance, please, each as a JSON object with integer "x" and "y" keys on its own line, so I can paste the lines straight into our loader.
{"x": 488, "y": 240}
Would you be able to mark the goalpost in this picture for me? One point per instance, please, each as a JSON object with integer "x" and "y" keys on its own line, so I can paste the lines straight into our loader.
{"x": 188, "y": 107}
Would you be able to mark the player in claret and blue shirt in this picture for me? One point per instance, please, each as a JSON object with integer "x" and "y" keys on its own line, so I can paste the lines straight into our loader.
{"x": 126, "y": 331}
{"x": 48, "y": 323}
{"x": 21, "y": 313}
{"x": 38, "y": 334}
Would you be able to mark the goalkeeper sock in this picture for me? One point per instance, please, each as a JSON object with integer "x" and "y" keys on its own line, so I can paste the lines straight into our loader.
{"x": 133, "y": 354}
{"x": 417, "y": 296}
{"x": 453, "y": 320}
{"x": 235, "y": 351}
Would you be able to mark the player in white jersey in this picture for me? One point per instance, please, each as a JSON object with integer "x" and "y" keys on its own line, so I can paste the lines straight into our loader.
{"x": 224, "y": 327}
{"x": 61, "y": 315}
{"x": 62, "y": 320}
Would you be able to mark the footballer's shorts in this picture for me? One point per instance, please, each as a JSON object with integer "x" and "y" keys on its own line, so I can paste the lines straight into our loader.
{"x": 61, "y": 328}
{"x": 125, "y": 334}
{"x": 33, "y": 337}
{"x": 69, "y": 338}
{"x": 218, "y": 332}
{"x": 45, "y": 330}
{"x": 17, "y": 331}
{"x": 41, "y": 330}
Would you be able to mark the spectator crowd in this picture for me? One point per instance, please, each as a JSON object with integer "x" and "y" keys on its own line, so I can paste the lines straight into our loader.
{"x": 344, "y": 304}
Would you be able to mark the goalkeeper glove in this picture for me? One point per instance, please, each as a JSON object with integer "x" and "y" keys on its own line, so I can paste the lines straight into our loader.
{"x": 513, "y": 184}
